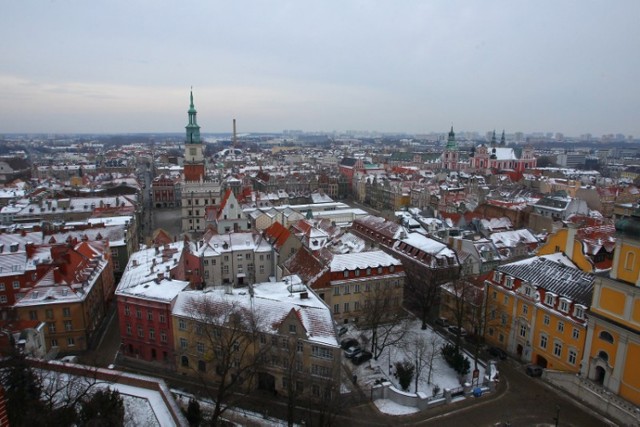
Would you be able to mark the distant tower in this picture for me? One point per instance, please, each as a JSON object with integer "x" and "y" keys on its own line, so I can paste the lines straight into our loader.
{"x": 194, "y": 168}
{"x": 493, "y": 139}
{"x": 450, "y": 154}
{"x": 235, "y": 135}
{"x": 503, "y": 142}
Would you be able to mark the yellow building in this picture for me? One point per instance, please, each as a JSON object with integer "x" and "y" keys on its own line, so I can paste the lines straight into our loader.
{"x": 536, "y": 311}
{"x": 612, "y": 352}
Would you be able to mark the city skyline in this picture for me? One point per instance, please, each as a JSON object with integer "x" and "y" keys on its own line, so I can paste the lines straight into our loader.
{"x": 413, "y": 67}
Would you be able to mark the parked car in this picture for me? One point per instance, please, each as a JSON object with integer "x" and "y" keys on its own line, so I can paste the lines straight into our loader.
{"x": 349, "y": 342}
{"x": 497, "y": 352}
{"x": 352, "y": 351}
{"x": 342, "y": 330}
{"x": 455, "y": 330}
{"x": 361, "y": 357}
{"x": 534, "y": 370}
{"x": 442, "y": 321}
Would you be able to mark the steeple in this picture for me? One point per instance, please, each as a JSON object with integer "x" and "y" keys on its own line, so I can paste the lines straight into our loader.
{"x": 502, "y": 140}
{"x": 451, "y": 140}
{"x": 493, "y": 139}
{"x": 193, "y": 130}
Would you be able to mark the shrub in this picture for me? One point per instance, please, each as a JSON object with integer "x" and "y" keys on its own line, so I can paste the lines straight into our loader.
{"x": 405, "y": 371}
{"x": 455, "y": 359}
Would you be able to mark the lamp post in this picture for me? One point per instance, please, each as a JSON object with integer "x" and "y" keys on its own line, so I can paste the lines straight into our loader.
{"x": 557, "y": 417}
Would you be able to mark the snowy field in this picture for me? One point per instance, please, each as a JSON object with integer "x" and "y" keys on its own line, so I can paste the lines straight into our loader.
{"x": 439, "y": 375}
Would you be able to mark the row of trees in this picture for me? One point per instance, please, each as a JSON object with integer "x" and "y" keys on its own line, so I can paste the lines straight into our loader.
{"x": 48, "y": 398}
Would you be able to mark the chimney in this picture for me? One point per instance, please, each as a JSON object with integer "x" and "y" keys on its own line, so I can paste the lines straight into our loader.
{"x": 304, "y": 295}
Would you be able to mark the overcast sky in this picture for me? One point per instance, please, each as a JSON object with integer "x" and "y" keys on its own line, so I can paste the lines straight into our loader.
{"x": 415, "y": 66}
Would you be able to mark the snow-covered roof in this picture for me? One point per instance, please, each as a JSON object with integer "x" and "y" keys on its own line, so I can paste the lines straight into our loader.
{"x": 271, "y": 302}
{"x": 362, "y": 260}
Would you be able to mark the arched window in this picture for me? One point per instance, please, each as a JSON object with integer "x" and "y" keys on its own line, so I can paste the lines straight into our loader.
{"x": 606, "y": 336}
{"x": 185, "y": 361}
{"x": 629, "y": 260}
{"x": 603, "y": 355}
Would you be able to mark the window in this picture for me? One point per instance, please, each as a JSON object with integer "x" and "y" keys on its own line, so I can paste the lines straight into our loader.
{"x": 527, "y": 291}
{"x": 546, "y": 319}
{"x": 3, "y": 299}
{"x": 127, "y": 310}
{"x": 543, "y": 341}
{"x": 200, "y": 347}
{"x": 606, "y": 336}
{"x": 184, "y": 361}
{"x": 163, "y": 336}
{"x": 2, "y": 287}
{"x": 182, "y": 325}
{"x": 503, "y": 319}
{"x": 549, "y": 299}
{"x": 578, "y": 312}
{"x": 163, "y": 318}
{"x": 497, "y": 276}
{"x": 346, "y": 273}
{"x": 494, "y": 295}
{"x": 336, "y": 308}
{"x": 575, "y": 334}
{"x": 67, "y": 325}
{"x": 368, "y": 271}
{"x": 225, "y": 269}
{"x": 321, "y": 352}
{"x": 33, "y": 315}
{"x": 48, "y": 313}
{"x": 346, "y": 307}
{"x": 357, "y": 272}
{"x": 71, "y": 341}
{"x": 573, "y": 356}
{"x": 564, "y": 305}
{"x": 629, "y": 261}
{"x": 506, "y": 299}
{"x": 557, "y": 349}
{"x": 560, "y": 326}
{"x": 149, "y": 315}
{"x": 379, "y": 270}
{"x": 299, "y": 346}
{"x": 509, "y": 282}
{"x": 336, "y": 291}
{"x": 356, "y": 305}
{"x": 367, "y": 287}
{"x": 138, "y": 313}
{"x": 392, "y": 268}
{"x": 322, "y": 371}
{"x": 54, "y": 342}
{"x": 152, "y": 334}
{"x": 292, "y": 329}
{"x": 183, "y": 343}
{"x": 16, "y": 284}
{"x": 525, "y": 309}
{"x": 202, "y": 366}
{"x": 356, "y": 289}
{"x": 129, "y": 329}
{"x": 523, "y": 331}
{"x": 52, "y": 327}
{"x": 66, "y": 312}
{"x": 140, "y": 332}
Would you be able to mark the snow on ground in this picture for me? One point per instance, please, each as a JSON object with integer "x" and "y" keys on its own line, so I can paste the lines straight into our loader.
{"x": 442, "y": 374}
{"x": 388, "y": 407}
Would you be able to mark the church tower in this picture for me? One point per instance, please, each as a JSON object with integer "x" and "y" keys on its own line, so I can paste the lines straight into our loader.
{"x": 194, "y": 168}
{"x": 450, "y": 154}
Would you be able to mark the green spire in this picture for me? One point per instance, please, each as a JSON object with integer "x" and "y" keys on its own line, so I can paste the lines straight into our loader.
{"x": 451, "y": 140}
{"x": 193, "y": 130}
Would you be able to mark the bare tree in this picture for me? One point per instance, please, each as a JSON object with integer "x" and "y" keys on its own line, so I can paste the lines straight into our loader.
{"x": 423, "y": 352}
{"x": 384, "y": 319}
{"x": 228, "y": 336}
{"x": 421, "y": 295}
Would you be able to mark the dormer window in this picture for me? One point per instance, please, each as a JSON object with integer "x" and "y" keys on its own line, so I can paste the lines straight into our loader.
{"x": 509, "y": 282}
{"x": 357, "y": 272}
{"x": 527, "y": 291}
{"x": 392, "y": 269}
{"x": 564, "y": 305}
{"x": 549, "y": 299}
{"x": 578, "y": 312}
{"x": 497, "y": 276}
{"x": 346, "y": 273}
